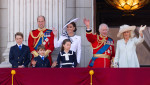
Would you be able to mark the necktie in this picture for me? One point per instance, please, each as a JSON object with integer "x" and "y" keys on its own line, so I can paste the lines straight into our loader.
{"x": 42, "y": 57}
{"x": 20, "y": 47}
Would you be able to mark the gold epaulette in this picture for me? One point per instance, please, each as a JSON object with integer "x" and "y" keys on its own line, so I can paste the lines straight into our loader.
{"x": 33, "y": 36}
{"x": 39, "y": 35}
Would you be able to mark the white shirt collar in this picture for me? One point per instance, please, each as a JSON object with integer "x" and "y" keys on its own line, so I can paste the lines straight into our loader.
{"x": 19, "y": 45}
{"x": 41, "y": 56}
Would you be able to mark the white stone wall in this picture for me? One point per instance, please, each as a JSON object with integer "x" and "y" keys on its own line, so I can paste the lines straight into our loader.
{"x": 3, "y": 26}
{"x": 84, "y": 10}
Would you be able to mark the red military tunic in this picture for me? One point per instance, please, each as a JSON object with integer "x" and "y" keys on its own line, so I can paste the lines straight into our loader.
{"x": 102, "y": 54}
{"x": 38, "y": 37}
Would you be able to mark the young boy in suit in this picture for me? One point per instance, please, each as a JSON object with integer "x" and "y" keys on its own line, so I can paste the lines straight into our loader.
{"x": 19, "y": 55}
{"x": 41, "y": 60}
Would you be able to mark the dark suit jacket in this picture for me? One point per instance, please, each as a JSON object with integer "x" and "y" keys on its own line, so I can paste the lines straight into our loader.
{"x": 42, "y": 63}
{"x": 19, "y": 57}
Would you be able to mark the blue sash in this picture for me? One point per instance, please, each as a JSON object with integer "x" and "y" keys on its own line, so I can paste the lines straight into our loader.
{"x": 105, "y": 47}
{"x": 100, "y": 51}
{"x": 46, "y": 34}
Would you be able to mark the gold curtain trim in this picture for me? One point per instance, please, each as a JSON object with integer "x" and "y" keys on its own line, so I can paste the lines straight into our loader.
{"x": 13, "y": 72}
{"x": 91, "y": 72}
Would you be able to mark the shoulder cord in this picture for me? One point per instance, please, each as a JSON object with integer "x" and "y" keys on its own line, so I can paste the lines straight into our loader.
{"x": 100, "y": 42}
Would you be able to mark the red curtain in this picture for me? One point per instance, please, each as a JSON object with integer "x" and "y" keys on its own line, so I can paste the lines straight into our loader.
{"x": 76, "y": 76}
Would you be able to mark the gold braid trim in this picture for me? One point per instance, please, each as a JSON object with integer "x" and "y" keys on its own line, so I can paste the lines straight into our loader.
{"x": 33, "y": 36}
{"x": 43, "y": 29}
{"x": 100, "y": 42}
{"x": 38, "y": 41}
{"x": 41, "y": 34}
{"x": 102, "y": 56}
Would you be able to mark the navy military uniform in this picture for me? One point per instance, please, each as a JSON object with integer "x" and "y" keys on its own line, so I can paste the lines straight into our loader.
{"x": 42, "y": 63}
{"x": 18, "y": 56}
{"x": 67, "y": 60}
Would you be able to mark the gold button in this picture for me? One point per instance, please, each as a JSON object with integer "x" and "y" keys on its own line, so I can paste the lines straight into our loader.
{"x": 23, "y": 61}
{"x": 18, "y": 57}
{"x": 18, "y": 62}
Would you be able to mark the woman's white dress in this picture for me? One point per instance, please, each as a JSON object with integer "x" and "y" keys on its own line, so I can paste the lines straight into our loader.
{"x": 126, "y": 53}
{"x": 75, "y": 46}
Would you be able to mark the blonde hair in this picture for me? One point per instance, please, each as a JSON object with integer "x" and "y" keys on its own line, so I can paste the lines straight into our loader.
{"x": 131, "y": 34}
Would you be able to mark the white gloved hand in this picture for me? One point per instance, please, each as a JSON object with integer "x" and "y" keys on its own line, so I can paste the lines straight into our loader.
{"x": 142, "y": 28}
{"x": 47, "y": 53}
{"x": 54, "y": 32}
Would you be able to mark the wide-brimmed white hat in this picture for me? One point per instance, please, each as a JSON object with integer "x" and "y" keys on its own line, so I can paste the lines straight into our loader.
{"x": 73, "y": 20}
{"x": 124, "y": 28}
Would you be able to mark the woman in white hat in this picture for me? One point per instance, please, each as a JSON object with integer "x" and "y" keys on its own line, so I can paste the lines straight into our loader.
{"x": 126, "y": 47}
{"x": 70, "y": 29}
